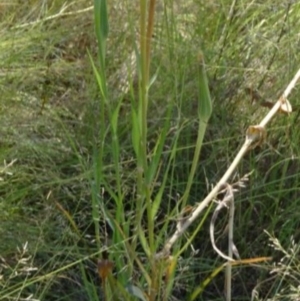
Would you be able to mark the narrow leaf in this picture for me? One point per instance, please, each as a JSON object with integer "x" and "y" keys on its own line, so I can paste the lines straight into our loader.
{"x": 136, "y": 291}
{"x": 205, "y": 104}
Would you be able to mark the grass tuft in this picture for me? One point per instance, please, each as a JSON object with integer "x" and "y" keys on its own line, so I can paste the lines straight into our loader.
{"x": 104, "y": 114}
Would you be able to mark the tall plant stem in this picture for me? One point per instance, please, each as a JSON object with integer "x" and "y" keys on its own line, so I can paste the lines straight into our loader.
{"x": 150, "y": 33}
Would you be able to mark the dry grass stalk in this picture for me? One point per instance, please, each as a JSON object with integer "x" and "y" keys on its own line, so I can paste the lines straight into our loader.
{"x": 255, "y": 135}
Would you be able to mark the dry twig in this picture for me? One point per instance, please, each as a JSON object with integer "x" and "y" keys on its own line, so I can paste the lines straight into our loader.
{"x": 255, "y": 135}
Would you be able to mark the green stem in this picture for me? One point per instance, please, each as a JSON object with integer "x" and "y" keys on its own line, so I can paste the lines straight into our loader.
{"x": 201, "y": 133}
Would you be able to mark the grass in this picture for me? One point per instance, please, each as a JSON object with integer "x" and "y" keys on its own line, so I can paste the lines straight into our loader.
{"x": 90, "y": 175}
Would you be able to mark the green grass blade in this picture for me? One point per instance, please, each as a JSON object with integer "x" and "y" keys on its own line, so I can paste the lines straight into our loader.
{"x": 204, "y": 113}
{"x": 205, "y": 103}
{"x": 101, "y": 25}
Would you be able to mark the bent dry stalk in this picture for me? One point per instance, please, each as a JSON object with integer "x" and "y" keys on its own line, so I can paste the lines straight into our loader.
{"x": 254, "y": 136}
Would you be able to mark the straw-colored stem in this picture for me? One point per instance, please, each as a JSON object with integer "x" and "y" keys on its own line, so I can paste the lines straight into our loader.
{"x": 251, "y": 141}
{"x": 209, "y": 197}
{"x": 150, "y": 32}
{"x": 228, "y": 272}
